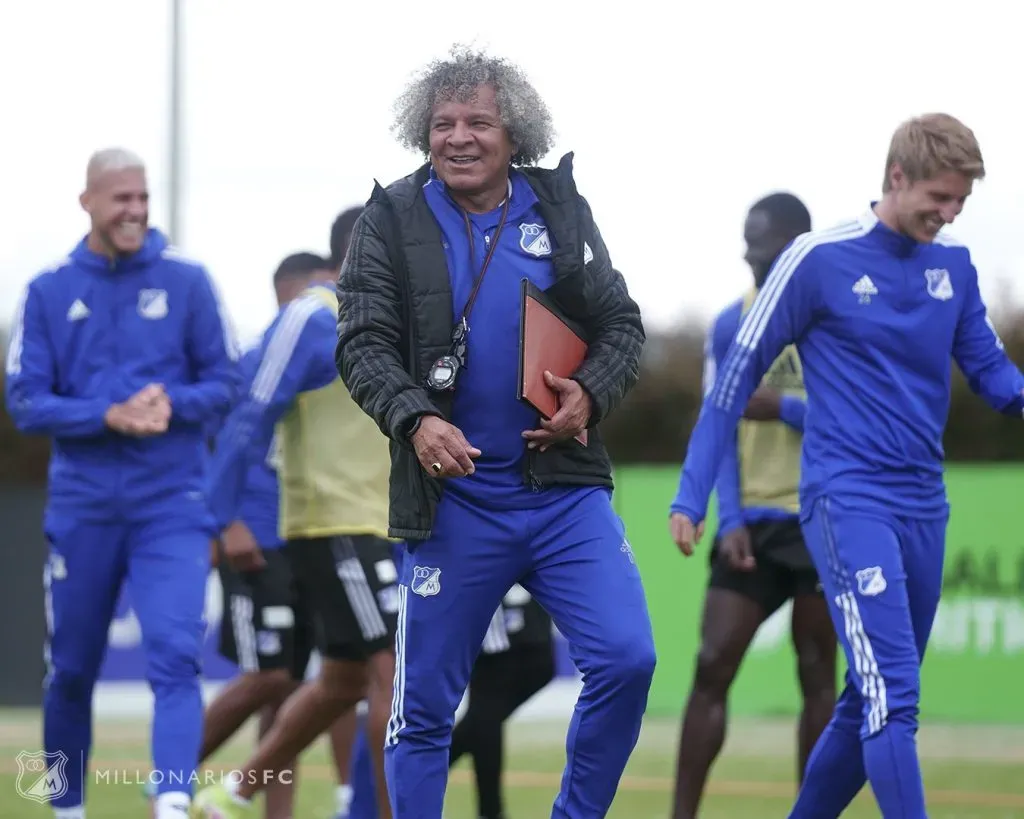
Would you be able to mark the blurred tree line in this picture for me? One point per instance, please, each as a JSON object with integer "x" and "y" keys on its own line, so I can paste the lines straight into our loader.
{"x": 654, "y": 422}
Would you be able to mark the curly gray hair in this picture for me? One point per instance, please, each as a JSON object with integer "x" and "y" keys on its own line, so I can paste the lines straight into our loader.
{"x": 526, "y": 118}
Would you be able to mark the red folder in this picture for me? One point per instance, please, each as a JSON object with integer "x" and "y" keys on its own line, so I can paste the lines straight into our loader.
{"x": 547, "y": 341}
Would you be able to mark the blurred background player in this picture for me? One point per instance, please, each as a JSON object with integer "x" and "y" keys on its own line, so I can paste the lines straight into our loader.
{"x": 333, "y": 481}
{"x": 267, "y": 632}
{"x": 121, "y": 356}
{"x": 344, "y": 735}
{"x": 758, "y": 560}
{"x": 516, "y": 661}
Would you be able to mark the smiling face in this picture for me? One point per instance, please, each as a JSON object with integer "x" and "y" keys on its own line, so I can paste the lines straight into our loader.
{"x": 924, "y": 207}
{"x": 471, "y": 150}
{"x": 117, "y": 202}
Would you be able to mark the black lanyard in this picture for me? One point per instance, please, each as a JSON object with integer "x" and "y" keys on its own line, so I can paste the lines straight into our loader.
{"x": 463, "y": 325}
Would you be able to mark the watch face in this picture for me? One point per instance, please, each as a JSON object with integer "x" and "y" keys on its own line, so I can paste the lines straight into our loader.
{"x": 442, "y": 374}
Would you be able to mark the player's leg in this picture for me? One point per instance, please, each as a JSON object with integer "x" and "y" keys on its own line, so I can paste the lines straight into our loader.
{"x": 364, "y": 785}
{"x": 585, "y": 576}
{"x": 835, "y": 772}
{"x": 924, "y": 553}
{"x": 361, "y": 802}
{"x": 451, "y": 585}
{"x": 814, "y": 641}
{"x": 354, "y": 630}
{"x": 379, "y": 576}
{"x": 860, "y": 562}
{"x": 81, "y": 579}
{"x": 168, "y": 565}
{"x": 500, "y": 684}
{"x": 342, "y": 738}
{"x": 258, "y": 635}
{"x": 279, "y": 795}
{"x": 735, "y": 605}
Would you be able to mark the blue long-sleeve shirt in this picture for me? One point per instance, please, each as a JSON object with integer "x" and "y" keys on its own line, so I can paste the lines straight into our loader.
{"x": 876, "y": 318}
{"x": 295, "y": 355}
{"x": 485, "y": 407}
{"x": 91, "y": 332}
{"x": 731, "y": 513}
{"x": 257, "y": 503}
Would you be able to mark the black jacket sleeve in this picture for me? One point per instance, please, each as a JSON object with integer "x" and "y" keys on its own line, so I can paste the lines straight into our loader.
{"x": 612, "y": 366}
{"x": 371, "y": 332}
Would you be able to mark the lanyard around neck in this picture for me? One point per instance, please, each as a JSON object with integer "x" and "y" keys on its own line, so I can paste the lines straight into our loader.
{"x": 464, "y": 321}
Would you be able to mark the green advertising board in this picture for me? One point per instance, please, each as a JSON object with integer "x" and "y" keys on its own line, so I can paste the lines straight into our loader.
{"x": 974, "y": 670}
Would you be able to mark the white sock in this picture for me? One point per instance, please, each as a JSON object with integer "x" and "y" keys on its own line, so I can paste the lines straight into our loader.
{"x": 70, "y": 813}
{"x": 172, "y": 805}
{"x": 343, "y": 796}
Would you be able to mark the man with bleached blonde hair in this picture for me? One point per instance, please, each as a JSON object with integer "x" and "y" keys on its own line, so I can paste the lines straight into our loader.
{"x": 876, "y": 308}
{"x": 121, "y": 355}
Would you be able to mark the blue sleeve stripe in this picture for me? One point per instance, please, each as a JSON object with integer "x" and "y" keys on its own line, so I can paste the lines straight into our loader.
{"x": 756, "y": 321}
{"x": 231, "y": 345}
{"x": 710, "y": 365}
{"x": 16, "y": 341}
{"x": 281, "y": 347}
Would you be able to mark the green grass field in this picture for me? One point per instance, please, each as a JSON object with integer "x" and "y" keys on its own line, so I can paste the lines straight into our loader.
{"x": 970, "y": 773}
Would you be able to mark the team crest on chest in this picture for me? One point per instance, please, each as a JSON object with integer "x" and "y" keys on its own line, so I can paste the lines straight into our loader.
{"x": 939, "y": 285}
{"x": 534, "y": 239}
{"x": 153, "y": 304}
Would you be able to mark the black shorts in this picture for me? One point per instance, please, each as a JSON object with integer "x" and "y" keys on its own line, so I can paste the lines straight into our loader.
{"x": 264, "y": 626}
{"x": 350, "y": 585}
{"x": 784, "y": 569}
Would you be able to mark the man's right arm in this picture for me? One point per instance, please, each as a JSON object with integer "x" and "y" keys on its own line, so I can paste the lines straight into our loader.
{"x": 288, "y": 357}
{"x": 780, "y": 314}
{"x": 727, "y": 481}
{"x": 370, "y": 333}
{"x": 31, "y": 401}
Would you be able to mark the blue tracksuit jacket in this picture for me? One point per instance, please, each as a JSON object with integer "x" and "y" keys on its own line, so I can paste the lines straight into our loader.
{"x": 876, "y": 318}
{"x": 257, "y": 505}
{"x": 731, "y": 513}
{"x": 295, "y": 355}
{"x": 90, "y": 333}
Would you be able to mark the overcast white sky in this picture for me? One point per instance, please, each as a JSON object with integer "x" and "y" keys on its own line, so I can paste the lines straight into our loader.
{"x": 680, "y": 115}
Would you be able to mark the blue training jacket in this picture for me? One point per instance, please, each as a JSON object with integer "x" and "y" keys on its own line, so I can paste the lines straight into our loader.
{"x": 257, "y": 504}
{"x": 877, "y": 318}
{"x": 731, "y": 513}
{"x": 296, "y": 355}
{"x": 91, "y": 332}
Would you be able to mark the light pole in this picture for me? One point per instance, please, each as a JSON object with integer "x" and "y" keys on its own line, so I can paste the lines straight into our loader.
{"x": 175, "y": 124}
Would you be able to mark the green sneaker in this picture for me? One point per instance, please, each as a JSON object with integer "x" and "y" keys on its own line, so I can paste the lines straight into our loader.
{"x": 216, "y": 802}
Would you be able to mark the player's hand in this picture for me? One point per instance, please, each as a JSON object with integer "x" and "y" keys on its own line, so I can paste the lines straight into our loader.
{"x": 685, "y": 534}
{"x": 442, "y": 449}
{"x": 737, "y": 550}
{"x": 214, "y": 553}
{"x": 135, "y": 421}
{"x": 764, "y": 405}
{"x": 153, "y": 402}
{"x": 241, "y": 551}
{"x": 574, "y": 409}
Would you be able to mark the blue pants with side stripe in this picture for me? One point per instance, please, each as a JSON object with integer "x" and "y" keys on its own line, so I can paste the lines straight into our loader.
{"x": 882, "y": 575}
{"x": 573, "y": 557}
{"x": 165, "y": 563}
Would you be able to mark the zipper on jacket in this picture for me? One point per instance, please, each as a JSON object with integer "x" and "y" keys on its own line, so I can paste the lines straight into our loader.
{"x": 119, "y": 441}
{"x": 531, "y": 476}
